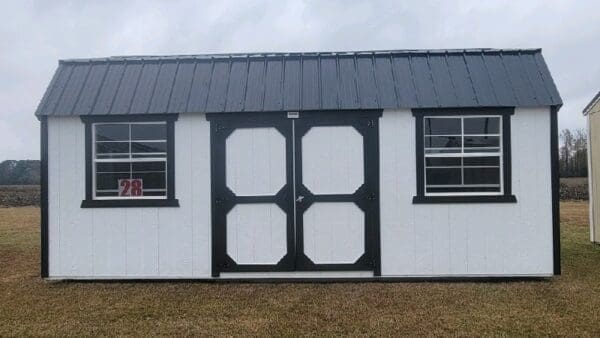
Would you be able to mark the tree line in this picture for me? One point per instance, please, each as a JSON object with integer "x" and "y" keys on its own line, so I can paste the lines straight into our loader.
{"x": 573, "y": 153}
{"x": 24, "y": 172}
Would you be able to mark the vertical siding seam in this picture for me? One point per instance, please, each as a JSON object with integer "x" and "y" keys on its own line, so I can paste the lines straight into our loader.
{"x": 412, "y": 78}
{"x": 59, "y": 159}
{"x": 377, "y": 98}
{"x": 436, "y": 95}
{"x": 358, "y": 100}
{"x": 192, "y": 192}
{"x": 62, "y": 92}
{"x": 451, "y": 78}
{"x": 172, "y": 87}
{"x": 487, "y": 73}
{"x": 535, "y": 97}
{"x": 512, "y": 86}
{"x": 93, "y": 105}
{"x": 160, "y": 65}
{"x": 189, "y": 93}
{"x": 112, "y": 101}
{"x": 125, "y": 237}
{"x": 394, "y": 81}
{"x": 158, "y": 241}
{"x": 470, "y": 79}
{"x": 243, "y": 104}
{"x": 137, "y": 83}
{"x": 87, "y": 75}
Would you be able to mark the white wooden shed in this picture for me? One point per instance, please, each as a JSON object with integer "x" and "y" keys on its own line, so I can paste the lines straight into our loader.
{"x": 353, "y": 165}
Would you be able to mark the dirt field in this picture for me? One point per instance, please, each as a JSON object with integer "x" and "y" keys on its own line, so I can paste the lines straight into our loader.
{"x": 567, "y": 305}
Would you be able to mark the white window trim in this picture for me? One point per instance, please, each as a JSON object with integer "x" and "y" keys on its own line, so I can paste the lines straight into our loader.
{"x": 462, "y": 154}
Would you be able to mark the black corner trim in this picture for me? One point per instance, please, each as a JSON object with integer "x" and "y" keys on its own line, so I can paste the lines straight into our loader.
{"x": 464, "y": 199}
{"x": 89, "y": 201}
{"x": 555, "y": 189}
{"x": 44, "y": 197}
{"x": 141, "y": 203}
{"x": 506, "y": 113}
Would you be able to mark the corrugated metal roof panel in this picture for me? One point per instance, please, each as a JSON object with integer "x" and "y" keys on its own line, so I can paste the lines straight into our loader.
{"x": 217, "y": 93}
{"x": 444, "y": 87}
{"x": 385, "y": 82}
{"x": 90, "y": 90}
{"x": 311, "y": 93}
{"x": 274, "y": 85}
{"x": 145, "y": 88}
{"x": 367, "y": 87}
{"x": 300, "y": 81}
{"x": 181, "y": 87}
{"x": 255, "y": 88}
{"x": 236, "y": 92}
{"x": 484, "y": 92}
{"x": 404, "y": 81}
{"x": 291, "y": 84}
{"x": 129, "y": 82}
{"x": 348, "y": 95}
{"x": 200, "y": 86}
{"x": 163, "y": 88}
{"x": 108, "y": 90}
{"x": 73, "y": 89}
{"x": 329, "y": 83}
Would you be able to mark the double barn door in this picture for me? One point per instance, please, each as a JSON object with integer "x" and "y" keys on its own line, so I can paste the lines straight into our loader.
{"x": 295, "y": 193}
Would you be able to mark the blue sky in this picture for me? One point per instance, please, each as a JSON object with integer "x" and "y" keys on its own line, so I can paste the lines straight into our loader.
{"x": 35, "y": 34}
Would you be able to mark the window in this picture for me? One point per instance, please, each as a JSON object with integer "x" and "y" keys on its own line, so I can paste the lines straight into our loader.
{"x": 130, "y": 162}
{"x": 463, "y": 156}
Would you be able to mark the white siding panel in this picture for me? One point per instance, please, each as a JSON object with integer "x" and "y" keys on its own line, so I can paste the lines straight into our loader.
{"x": 54, "y": 266}
{"x": 334, "y": 232}
{"x": 142, "y": 242}
{"x": 200, "y": 200}
{"x": 256, "y": 233}
{"x": 129, "y": 242}
{"x": 76, "y": 231}
{"x": 110, "y": 242}
{"x": 255, "y": 161}
{"x": 332, "y": 160}
{"x": 467, "y": 239}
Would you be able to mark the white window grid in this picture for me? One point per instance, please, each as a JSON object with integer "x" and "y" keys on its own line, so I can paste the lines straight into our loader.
{"x": 465, "y": 154}
{"x": 158, "y": 157}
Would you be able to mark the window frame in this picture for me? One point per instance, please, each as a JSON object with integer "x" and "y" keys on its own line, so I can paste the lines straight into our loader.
{"x": 91, "y": 200}
{"x": 505, "y": 194}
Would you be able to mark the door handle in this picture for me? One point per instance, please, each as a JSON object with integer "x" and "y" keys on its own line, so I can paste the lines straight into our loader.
{"x": 299, "y": 199}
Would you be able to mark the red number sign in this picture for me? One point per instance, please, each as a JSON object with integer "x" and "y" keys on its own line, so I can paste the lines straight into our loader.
{"x": 131, "y": 187}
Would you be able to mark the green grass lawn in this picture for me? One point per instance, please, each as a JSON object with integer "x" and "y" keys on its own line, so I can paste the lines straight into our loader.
{"x": 566, "y": 305}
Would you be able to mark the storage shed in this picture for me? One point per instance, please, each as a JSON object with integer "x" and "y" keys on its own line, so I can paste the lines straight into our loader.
{"x": 593, "y": 132}
{"x": 350, "y": 165}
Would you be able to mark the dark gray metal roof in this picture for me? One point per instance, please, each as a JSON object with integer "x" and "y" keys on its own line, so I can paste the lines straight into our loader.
{"x": 300, "y": 81}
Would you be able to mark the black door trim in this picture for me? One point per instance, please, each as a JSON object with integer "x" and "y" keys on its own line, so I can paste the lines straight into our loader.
{"x": 223, "y": 199}
{"x": 366, "y": 197}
